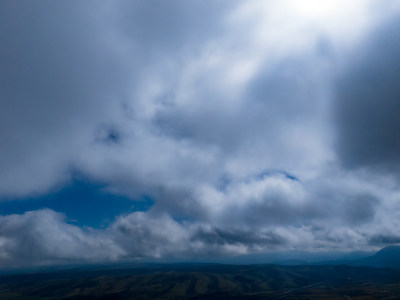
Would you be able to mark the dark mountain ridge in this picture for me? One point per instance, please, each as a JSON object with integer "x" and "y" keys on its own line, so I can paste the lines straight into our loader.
{"x": 373, "y": 277}
{"x": 207, "y": 281}
{"x": 388, "y": 257}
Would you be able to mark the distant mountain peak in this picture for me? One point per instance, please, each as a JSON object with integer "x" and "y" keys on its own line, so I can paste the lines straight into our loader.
{"x": 386, "y": 257}
{"x": 389, "y": 249}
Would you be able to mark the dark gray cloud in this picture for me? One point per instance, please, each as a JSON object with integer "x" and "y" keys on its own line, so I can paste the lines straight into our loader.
{"x": 215, "y": 236}
{"x": 384, "y": 239}
{"x": 367, "y": 105}
{"x": 157, "y": 26}
{"x": 360, "y": 208}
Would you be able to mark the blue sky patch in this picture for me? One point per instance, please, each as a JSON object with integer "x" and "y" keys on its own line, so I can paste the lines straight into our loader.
{"x": 84, "y": 204}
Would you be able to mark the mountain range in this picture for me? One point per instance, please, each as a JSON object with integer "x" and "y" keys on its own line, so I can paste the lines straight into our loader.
{"x": 376, "y": 276}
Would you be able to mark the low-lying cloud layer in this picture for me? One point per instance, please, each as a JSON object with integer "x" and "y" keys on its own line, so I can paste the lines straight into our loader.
{"x": 254, "y": 126}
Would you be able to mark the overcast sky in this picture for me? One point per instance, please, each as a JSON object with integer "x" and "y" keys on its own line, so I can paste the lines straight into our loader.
{"x": 227, "y": 127}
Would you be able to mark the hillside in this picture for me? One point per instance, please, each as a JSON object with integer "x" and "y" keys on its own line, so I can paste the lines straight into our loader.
{"x": 387, "y": 257}
{"x": 205, "y": 281}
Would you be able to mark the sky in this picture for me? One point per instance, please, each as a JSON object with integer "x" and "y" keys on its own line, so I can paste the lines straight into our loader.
{"x": 134, "y": 130}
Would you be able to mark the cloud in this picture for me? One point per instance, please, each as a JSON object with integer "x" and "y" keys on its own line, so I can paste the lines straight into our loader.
{"x": 248, "y": 128}
{"x": 384, "y": 239}
{"x": 367, "y": 105}
{"x": 59, "y": 81}
{"x": 171, "y": 100}
{"x": 43, "y": 237}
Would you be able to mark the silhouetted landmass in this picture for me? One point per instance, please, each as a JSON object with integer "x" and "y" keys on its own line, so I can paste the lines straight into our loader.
{"x": 374, "y": 277}
{"x": 207, "y": 281}
{"x": 387, "y": 257}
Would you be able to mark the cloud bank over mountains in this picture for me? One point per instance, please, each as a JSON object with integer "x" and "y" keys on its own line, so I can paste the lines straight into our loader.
{"x": 254, "y": 126}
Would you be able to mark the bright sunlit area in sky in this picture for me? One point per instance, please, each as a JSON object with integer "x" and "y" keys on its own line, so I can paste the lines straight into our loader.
{"x": 314, "y": 9}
